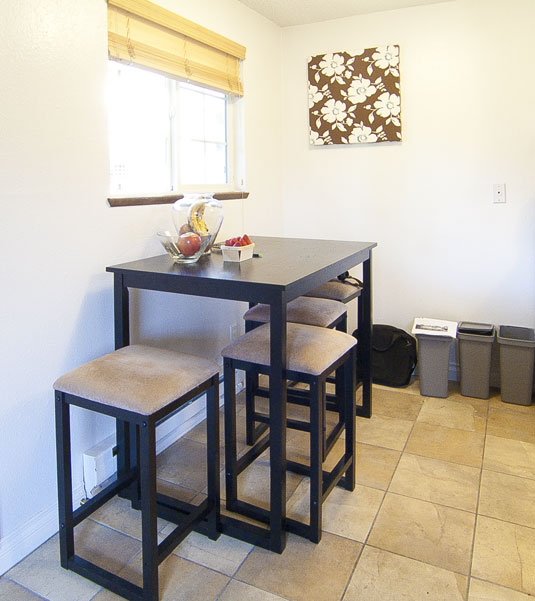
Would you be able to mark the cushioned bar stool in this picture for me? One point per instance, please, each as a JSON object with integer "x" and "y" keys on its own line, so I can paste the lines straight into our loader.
{"x": 341, "y": 291}
{"x": 141, "y": 386}
{"x": 312, "y": 353}
{"x": 309, "y": 311}
{"x": 336, "y": 290}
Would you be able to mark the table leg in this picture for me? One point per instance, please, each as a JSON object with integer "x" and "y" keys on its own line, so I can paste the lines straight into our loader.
{"x": 277, "y": 425}
{"x": 364, "y": 349}
{"x": 126, "y": 439}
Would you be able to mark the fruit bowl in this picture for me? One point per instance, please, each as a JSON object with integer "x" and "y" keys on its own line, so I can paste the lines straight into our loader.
{"x": 200, "y": 213}
{"x": 186, "y": 247}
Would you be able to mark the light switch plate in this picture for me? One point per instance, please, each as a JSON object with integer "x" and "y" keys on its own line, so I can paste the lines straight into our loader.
{"x": 498, "y": 193}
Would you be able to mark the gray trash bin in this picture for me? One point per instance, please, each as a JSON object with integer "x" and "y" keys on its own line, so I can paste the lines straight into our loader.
{"x": 475, "y": 352}
{"x": 433, "y": 364}
{"x": 517, "y": 354}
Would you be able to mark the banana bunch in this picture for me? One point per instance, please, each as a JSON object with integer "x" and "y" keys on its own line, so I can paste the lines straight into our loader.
{"x": 196, "y": 217}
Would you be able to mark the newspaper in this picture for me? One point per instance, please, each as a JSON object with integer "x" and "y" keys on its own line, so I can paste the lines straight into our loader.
{"x": 434, "y": 327}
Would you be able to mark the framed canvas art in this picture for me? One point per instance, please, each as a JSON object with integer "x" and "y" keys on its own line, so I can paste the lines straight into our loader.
{"x": 355, "y": 98}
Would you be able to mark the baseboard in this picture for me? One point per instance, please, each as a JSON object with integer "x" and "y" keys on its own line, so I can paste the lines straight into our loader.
{"x": 26, "y": 538}
{"x": 16, "y": 546}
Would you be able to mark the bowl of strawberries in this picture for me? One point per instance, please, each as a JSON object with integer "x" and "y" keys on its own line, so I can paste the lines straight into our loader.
{"x": 237, "y": 249}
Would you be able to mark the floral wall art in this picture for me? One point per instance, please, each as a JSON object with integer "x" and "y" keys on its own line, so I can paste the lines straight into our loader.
{"x": 355, "y": 98}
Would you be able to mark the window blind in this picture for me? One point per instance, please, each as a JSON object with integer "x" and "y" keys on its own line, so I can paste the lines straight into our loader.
{"x": 145, "y": 34}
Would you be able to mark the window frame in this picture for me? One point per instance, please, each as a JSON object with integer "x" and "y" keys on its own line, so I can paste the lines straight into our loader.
{"x": 234, "y": 150}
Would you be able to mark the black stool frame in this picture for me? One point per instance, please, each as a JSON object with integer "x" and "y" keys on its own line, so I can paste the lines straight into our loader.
{"x": 140, "y": 474}
{"x": 321, "y": 482}
{"x": 295, "y": 396}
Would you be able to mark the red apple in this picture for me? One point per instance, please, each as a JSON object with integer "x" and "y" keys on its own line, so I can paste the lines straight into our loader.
{"x": 189, "y": 243}
{"x": 184, "y": 228}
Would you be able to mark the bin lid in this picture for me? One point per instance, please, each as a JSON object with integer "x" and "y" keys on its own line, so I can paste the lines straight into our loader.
{"x": 481, "y": 329}
{"x": 516, "y": 336}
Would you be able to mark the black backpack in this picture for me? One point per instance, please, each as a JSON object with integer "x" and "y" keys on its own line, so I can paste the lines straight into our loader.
{"x": 393, "y": 355}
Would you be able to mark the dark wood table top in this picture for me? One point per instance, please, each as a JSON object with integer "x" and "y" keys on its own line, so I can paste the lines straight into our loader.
{"x": 289, "y": 266}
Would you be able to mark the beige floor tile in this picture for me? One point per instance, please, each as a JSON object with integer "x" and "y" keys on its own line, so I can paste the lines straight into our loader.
{"x": 438, "y": 535}
{"x": 412, "y": 388}
{"x": 508, "y": 498}
{"x": 253, "y": 483}
{"x": 305, "y": 571}
{"x": 504, "y": 553}
{"x": 198, "y": 434}
{"x": 447, "y": 444}
{"x": 41, "y": 573}
{"x": 384, "y": 431}
{"x": 184, "y": 463}
{"x": 396, "y": 403}
{"x": 174, "y": 490}
{"x": 103, "y": 546}
{"x": 486, "y": 591}
{"x": 346, "y": 513}
{"x": 497, "y": 403}
{"x": 179, "y": 580}
{"x": 10, "y": 591}
{"x": 451, "y": 414}
{"x": 481, "y": 406}
{"x": 119, "y": 515}
{"x": 383, "y": 576}
{"x": 510, "y": 456}
{"x": 375, "y": 465}
{"x": 224, "y": 555}
{"x": 507, "y": 422}
{"x": 239, "y": 591}
{"x": 437, "y": 481}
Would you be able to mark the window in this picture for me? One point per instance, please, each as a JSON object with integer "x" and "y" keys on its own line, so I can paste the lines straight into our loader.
{"x": 168, "y": 136}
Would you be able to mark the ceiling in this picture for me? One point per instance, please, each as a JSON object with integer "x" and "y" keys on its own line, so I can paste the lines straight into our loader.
{"x": 301, "y": 12}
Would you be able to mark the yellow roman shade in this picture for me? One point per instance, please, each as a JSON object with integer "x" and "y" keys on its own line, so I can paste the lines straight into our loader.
{"x": 145, "y": 34}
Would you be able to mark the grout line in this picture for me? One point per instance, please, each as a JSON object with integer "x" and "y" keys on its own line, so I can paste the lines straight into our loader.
{"x": 497, "y": 584}
{"x": 385, "y": 492}
{"x": 24, "y": 587}
{"x": 477, "y": 505}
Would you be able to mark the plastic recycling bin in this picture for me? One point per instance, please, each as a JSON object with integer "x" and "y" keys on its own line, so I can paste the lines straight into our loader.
{"x": 433, "y": 362}
{"x": 517, "y": 354}
{"x": 475, "y": 352}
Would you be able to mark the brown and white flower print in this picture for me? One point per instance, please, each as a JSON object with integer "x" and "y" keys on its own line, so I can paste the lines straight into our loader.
{"x": 355, "y": 98}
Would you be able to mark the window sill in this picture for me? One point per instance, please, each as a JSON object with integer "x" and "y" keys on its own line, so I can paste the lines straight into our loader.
{"x": 136, "y": 201}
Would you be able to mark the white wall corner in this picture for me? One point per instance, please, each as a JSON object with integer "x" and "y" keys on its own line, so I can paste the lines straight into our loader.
{"x": 16, "y": 546}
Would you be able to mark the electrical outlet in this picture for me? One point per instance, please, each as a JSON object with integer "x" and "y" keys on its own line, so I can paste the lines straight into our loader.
{"x": 498, "y": 193}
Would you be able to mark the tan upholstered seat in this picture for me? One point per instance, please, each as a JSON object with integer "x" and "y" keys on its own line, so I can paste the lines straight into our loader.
{"x": 335, "y": 290}
{"x": 137, "y": 378}
{"x": 310, "y": 349}
{"x": 311, "y": 311}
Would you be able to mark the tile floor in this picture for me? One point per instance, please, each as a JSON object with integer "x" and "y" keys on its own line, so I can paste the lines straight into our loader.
{"x": 444, "y": 510}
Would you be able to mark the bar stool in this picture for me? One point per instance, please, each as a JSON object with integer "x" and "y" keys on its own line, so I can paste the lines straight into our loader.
{"x": 340, "y": 290}
{"x": 336, "y": 290}
{"x": 142, "y": 386}
{"x": 312, "y": 353}
{"x": 309, "y": 311}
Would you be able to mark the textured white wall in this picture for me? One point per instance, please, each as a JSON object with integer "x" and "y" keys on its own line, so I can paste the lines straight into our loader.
{"x": 467, "y": 95}
{"x": 57, "y": 234}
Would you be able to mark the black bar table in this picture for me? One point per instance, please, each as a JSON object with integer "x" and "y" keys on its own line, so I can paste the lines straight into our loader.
{"x": 288, "y": 268}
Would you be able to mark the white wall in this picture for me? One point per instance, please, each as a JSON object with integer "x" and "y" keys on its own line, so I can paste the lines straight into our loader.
{"x": 57, "y": 233}
{"x": 467, "y": 95}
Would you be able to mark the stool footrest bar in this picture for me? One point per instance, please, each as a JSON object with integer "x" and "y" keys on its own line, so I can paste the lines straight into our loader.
{"x": 181, "y": 531}
{"x": 111, "y": 581}
{"x": 247, "y": 458}
{"x": 103, "y": 496}
{"x": 331, "y": 479}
